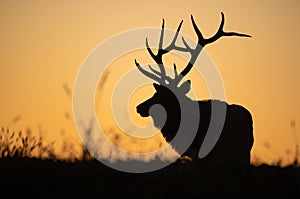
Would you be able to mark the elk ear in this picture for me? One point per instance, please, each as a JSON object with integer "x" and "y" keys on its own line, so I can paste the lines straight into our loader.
{"x": 185, "y": 87}
{"x": 156, "y": 86}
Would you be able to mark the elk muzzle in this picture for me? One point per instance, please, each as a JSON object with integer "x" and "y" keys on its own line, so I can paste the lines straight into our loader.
{"x": 143, "y": 110}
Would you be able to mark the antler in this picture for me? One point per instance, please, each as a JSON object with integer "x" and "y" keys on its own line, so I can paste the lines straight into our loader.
{"x": 160, "y": 76}
{"x": 203, "y": 42}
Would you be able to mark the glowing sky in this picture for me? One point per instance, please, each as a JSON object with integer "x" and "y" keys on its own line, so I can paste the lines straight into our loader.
{"x": 43, "y": 44}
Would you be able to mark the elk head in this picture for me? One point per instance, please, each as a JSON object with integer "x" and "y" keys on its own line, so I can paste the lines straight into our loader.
{"x": 168, "y": 89}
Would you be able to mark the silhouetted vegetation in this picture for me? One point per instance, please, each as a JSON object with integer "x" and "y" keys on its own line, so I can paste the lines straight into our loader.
{"x": 29, "y": 167}
{"x": 29, "y": 145}
{"x": 14, "y": 144}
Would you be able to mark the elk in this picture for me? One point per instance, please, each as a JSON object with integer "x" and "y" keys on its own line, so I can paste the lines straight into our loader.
{"x": 236, "y": 138}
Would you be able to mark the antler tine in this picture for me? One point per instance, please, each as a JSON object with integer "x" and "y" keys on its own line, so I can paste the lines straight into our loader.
{"x": 169, "y": 79}
{"x": 198, "y": 32}
{"x": 153, "y": 70}
{"x": 194, "y": 52}
{"x": 173, "y": 46}
{"x": 149, "y": 50}
{"x": 175, "y": 70}
{"x": 202, "y": 42}
{"x": 162, "y": 33}
{"x": 188, "y": 48}
{"x": 148, "y": 74}
{"x": 158, "y": 57}
{"x": 221, "y": 33}
{"x": 160, "y": 76}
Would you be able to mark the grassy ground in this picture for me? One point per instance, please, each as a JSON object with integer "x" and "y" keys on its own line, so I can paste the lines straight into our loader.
{"x": 29, "y": 167}
{"x": 48, "y": 178}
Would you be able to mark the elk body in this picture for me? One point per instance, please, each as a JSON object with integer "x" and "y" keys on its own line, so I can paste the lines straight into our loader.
{"x": 236, "y": 138}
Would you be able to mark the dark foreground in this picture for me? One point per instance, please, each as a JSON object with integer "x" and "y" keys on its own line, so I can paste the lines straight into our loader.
{"x": 51, "y": 179}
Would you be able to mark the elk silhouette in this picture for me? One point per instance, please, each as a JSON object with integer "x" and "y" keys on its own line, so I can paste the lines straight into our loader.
{"x": 236, "y": 139}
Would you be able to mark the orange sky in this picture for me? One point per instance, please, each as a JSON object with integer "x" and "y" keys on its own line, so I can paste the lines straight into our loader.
{"x": 44, "y": 43}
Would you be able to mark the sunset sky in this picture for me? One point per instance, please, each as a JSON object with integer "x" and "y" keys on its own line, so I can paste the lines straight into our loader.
{"x": 44, "y": 43}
